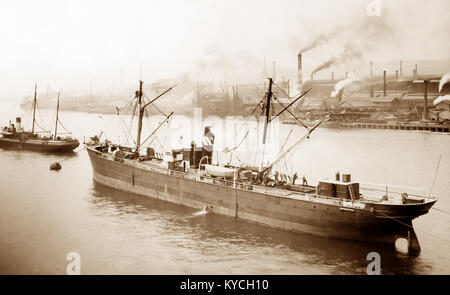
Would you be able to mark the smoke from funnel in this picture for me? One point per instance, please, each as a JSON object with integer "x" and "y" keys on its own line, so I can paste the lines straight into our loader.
{"x": 369, "y": 31}
{"x": 348, "y": 54}
{"x": 320, "y": 39}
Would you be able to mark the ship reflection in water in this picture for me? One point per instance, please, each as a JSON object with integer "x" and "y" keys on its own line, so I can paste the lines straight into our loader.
{"x": 200, "y": 240}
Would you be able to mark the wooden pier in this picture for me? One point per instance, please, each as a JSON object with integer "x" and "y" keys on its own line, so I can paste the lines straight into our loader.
{"x": 409, "y": 127}
{"x": 435, "y": 128}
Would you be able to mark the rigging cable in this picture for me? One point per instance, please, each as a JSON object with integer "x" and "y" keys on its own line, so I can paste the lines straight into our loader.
{"x": 287, "y": 109}
{"x": 235, "y": 135}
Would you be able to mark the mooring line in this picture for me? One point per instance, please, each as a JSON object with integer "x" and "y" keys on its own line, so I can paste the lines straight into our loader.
{"x": 440, "y": 210}
{"x": 410, "y": 226}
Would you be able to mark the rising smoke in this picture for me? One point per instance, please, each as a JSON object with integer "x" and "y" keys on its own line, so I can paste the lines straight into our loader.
{"x": 369, "y": 32}
{"x": 222, "y": 66}
{"x": 349, "y": 54}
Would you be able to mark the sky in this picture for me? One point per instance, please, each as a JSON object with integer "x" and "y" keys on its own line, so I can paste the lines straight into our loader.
{"x": 77, "y": 45}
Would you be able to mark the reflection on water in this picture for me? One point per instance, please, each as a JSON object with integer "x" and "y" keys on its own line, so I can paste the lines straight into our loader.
{"x": 221, "y": 239}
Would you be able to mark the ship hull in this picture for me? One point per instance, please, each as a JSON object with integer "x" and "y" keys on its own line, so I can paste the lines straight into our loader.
{"x": 45, "y": 146}
{"x": 282, "y": 212}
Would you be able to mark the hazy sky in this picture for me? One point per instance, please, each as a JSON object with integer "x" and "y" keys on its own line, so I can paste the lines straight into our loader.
{"x": 72, "y": 44}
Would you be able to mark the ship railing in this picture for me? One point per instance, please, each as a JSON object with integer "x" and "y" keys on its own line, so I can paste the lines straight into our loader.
{"x": 396, "y": 192}
{"x": 257, "y": 188}
{"x": 369, "y": 191}
{"x": 250, "y": 187}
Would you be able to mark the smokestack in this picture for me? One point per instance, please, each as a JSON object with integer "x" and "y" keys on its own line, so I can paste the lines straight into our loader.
{"x": 332, "y": 76}
{"x": 18, "y": 124}
{"x": 208, "y": 143}
{"x": 401, "y": 69}
{"x": 274, "y": 71}
{"x": 396, "y": 74}
{"x": 371, "y": 91}
{"x": 425, "y": 93}
{"x": 384, "y": 83}
{"x": 299, "y": 68}
{"x": 371, "y": 69}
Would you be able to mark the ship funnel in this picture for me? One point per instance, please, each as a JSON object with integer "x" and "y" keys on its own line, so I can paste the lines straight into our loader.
{"x": 208, "y": 144}
{"x": 346, "y": 177}
{"x": 18, "y": 124}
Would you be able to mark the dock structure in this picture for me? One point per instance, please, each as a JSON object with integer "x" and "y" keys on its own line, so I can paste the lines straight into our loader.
{"x": 415, "y": 127}
{"x": 438, "y": 128}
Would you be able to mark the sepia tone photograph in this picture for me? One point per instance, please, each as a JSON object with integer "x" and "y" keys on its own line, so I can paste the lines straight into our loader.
{"x": 224, "y": 137}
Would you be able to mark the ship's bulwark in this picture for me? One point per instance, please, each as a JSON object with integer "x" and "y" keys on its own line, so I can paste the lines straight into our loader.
{"x": 275, "y": 211}
{"x": 39, "y": 145}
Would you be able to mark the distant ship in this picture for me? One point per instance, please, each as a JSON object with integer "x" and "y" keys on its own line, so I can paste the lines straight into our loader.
{"x": 14, "y": 137}
{"x": 337, "y": 208}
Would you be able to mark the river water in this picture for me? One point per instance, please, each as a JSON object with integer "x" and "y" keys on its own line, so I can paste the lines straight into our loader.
{"x": 44, "y": 215}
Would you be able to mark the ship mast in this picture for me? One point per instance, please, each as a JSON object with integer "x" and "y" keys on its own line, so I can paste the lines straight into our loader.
{"x": 34, "y": 108}
{"x": 141, "y": 112}
{"x": 56, "y": 121}
{"x": 269, "y": 96}
{"x": 141, "y": 115}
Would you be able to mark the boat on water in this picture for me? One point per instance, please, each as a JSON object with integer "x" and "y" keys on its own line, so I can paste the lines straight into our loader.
{"x": 15, "y": 137}
{"x": 335, "y": 208}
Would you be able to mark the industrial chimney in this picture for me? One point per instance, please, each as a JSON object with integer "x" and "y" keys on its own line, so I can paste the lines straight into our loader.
{"x": 384, "y": 83}
{"x": 425, "y": 98}
{"x": 401, "y": 69}
{"x": 299, "y": 68}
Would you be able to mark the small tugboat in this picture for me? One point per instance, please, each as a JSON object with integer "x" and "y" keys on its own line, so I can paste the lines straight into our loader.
{"x": 14, "y": 137}
{"x": 337, "y": 208}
